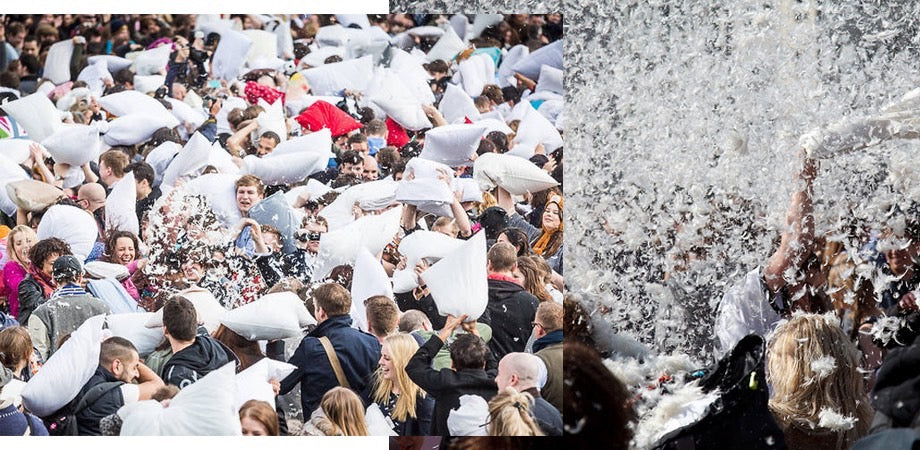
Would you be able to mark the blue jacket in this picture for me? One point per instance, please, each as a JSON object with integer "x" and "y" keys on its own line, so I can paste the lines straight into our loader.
{"x": 358, "y": 354}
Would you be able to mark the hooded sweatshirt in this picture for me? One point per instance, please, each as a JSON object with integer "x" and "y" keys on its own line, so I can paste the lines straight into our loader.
{"x": 195, "y": 361}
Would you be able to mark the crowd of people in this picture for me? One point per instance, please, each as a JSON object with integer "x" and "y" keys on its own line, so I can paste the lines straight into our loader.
{"x": 340, "y": 225}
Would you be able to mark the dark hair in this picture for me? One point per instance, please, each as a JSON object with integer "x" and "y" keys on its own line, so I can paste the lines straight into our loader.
{"x": 485, "y": 146}
{"x": 112, "y": 241}
{"x": 499, "y": 139}
{"x": 493, "y": 93}
{"x": 518, "y": 238}
{"x": 124, "y": 76}
{"x": 180, "y": 318}
{"x": 346, "y": 179}
{"x": 352, "y": 157}
{"x": 511, "y": 94}
{"x": 142, "y": 171}
{"x": 246, "y": 351}
{"x": 576, "y": 322}
{"x": 357, "y": 138}
{"x": 45, "y": 248}
{"x": 595, "y": 402}
{"x": 468, "y": 351}
{"x": 15, "y": 346}
{"x": 31, "y": 63}
{"x": 493, "y": 220}
{"x": 271, "y": 135}
{"x": 114, "y": 348}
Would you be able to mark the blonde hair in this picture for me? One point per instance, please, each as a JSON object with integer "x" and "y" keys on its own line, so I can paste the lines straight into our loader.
{"x": 402, "y": 346}
{"x": 812, "y": 366}
{"x": 345, "y": 411}
{"x": 12, "y": 254}
{"x": 509, "y": 414}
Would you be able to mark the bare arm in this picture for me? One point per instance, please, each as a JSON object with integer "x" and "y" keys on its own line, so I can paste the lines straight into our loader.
{"x": 798, "y": 238}
{"x": 235, "y": 142}
{"x": 147, "y": 382}
{"x": 88, "y": 174}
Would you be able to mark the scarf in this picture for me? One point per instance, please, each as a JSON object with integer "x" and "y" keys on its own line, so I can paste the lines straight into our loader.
{"x": 43, "y": 280}
{"x": 541, "y": 245}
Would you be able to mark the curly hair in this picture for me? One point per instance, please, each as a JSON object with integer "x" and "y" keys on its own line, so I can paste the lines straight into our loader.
{"x": 47, "y": 247}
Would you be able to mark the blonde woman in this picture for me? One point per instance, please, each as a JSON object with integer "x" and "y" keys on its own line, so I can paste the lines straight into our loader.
{"x": 18, "y": 244}
{"x": 819, "y": 397}
{"x": 340, "y": 413}
{"x": 509, "y": 414}
{"x": 400, "y": 399}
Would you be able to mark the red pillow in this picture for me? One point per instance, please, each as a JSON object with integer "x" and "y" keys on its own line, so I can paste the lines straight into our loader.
{"x": 396, "y": 134}
{"x": 325, "y": 115}
{"x": 254, "y": 91}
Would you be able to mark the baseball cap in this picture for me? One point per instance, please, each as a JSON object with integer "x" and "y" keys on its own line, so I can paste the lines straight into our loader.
{"x": 66, "y": 266}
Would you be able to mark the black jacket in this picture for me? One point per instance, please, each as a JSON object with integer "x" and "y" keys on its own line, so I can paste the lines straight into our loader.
{"x": 108, "y": 403}
{"x": 446, "y": 385}
{"x": 895, "y": 393}
{"x": 195, "y": 361}
{"x": 31, "y": 295}
{"x": 510, "y": 312}
{"x": 420, "y": 425}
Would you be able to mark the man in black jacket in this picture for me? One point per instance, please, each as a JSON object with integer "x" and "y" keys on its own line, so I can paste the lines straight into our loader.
{"x": 472, "y": 372}
{"x": 511, "y": 309}
{"x": 194, "y": 356}
{"x": 521, "y": 372}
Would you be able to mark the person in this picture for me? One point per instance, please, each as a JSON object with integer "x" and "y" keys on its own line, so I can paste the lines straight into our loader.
{"x": 37, "y": 286}
{"x": 112, "y": 166}
{"x": 521, "y": 371}
{"x": 14, "y": 422}
{"x": 258, "y": 418}
{"x": 509, "y": 414}
{"x": 267, "y": 142}
{"x": 530, "y": 275}
{"x": 355, "y": 351}
{"x": 545, "y": 241}
{"x": 370, "y": 170}
{"x": 510, "y": 309}
{"x": 597, "y": 405}
{"x": 194, "y": 356}
{"x": 67, "y": 308}
{"x": 812, "y": 368}
{"x": 249, "y": 191}
{"x": 122, "y": 248}
{"x": 147, "y": 193}
{"x": 407, "y": 406}
{"x": 472, "y": 371}
{"x": 18, "y": 244}
{"x": 340, "y": 413}
{"x": 17, "y": 353}
{"x": 547, "y": 328}
{"x": 119, "y": 368}
{"x": 517, "y": 238}
{"x": 382, "y": 316}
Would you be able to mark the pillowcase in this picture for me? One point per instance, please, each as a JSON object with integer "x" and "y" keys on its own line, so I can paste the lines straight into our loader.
{"x": 33, "y": 195}
{"x": 516, "y": 175}
{"x": 220, "y": 190}
{"x": 153, "y": 61}
{"x": 131, "y": 327}
{"x": 254, "y": 382}
{"x": 74, "y": 144}
{"x": 284, "y": 169}
{"x": 189, "y": 161}
{"x": 35, "y": 114}
{"x": 274, "y": 316}
{"x": 452, "y": 145}
{"x": 230, "y": 54}
{"x": 530, "y": 65}
{"x": 274, "y": 210}
{"x": 324, "y": 115}
{"x": 447, "y": 47}
{"x": 369, "y": 279}
{"x": 57, "y": 62}
{"x": 459, "y": 282}
{"x": 17, "y": 150}
{"x": 210, "y": 312}
{"x": 73, "y": 225}
{"x": 550, "y": 80}
{"x": 121, "y": 206}
{"x": 456, "y": 105}
{"x": 133, "y": 128}
{"x": 331, "y": 79}
{"x": 341, "y": 246}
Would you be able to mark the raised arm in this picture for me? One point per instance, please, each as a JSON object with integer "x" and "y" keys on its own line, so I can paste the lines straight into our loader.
{"x": 798, "y": 239}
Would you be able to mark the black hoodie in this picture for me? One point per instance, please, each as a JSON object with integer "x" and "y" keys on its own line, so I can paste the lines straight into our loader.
{"x": 510, "y": 312}
{"x": 194, "y": 362}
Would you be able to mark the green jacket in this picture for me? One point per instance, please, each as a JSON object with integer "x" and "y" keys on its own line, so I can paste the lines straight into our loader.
{"x": 442, "y": 359}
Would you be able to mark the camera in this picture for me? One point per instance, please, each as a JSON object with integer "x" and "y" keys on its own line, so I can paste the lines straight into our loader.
{"x": 197, "y": 56}
{"x": 307, "y": 237}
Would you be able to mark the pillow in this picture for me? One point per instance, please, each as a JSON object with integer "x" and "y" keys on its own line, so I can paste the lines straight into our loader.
{"x": 358, "y": 19}
{"x": 9, "y": 172}
{"x": 426, "y": 31}
{"x": 460, "y": 23}
{"x": 452, "y": 145}
{"x": 95, "y": 75}
{"x": 148, "y": 83}
{"x": 264, "y": 45}
{"x": 318, "y": 57}
{"x": 112, "y": 63}
{"x": 404, "y": 110}
{"x": 426, "y": 168}
{"x": 493, "y": 124}
{"x": 220, "y": 190}
{"x": 228, "y": 59}
{"x": 66, "y": 371}
{"x": 476, "y": 72}
{"x": 376, "y": 423}
{"x": 189, "y": 161}
{"x": 331, "y": 35}
{"x": 74, "y": 144}
{"x": 221, "y": 160}
{"x": 331, "y": 79}
{"x": 72, "y": 225}
{"x": 35, "y": 114}
{"x": 516, "y": 175}
{"x": 456, "y": 105}
{"x": 427, "y": 194}
{"x": 227, "y": 105}
{"x": 468, "y": 188}
{"x": 102, "y": 270}
{"x": 133, "y": 102}
{"x": 274, "y": 210}
{"x": 369, "y": 279}
{"x": 483, "y": 21}
{"x": 530, "y": 65}
{"x": 33, "y": 195}
{"x": 339, "y": 213}
{"x": 313, "y": 187}
{"x": 550, "y": 80}
{"x": 341, "y": 246}
{"x": 459, "y": 282}
{"x": 57, "y": 62}
{"x": 210, "y": 312}
{"x": 121, "y": 206}
{"x": 272, "y": 119}
{"x": 204, "y": 408}
{"x": 153, "y": 61}
{"x": 160, "y": 157}
{"x": 284, "y": 169}
{"x": 324, "y": 115}
{"x": 17, "y": 150}
{"x": 410, "y": 71}
{"x": 133, "y": 128}
{"x": 535, "y": 129}
{"x": 131, "y": 327}
{"x": 274, "y": 316}
{"x": 189, "y": 117}
{"x": 66, "y": 101}
{"x": 470, "y": 418}
{"x": 447, "y": 47}
{"x": 254, "y": 382}
{"x": 429, "y": 245}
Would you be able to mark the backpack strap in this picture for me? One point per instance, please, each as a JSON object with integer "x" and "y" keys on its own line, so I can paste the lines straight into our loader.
{"x": 95, "y": 393}
{"x": 334, "y": 360}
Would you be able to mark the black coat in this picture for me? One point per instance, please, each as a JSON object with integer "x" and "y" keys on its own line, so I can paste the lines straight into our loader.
{"x": 108, "y": 403}
{"x": 895, "y": 393}
{"x": 31, "y": 295}
{"x": 194, "y": 362}
{"x": 510, "y": 312}
{"x": 446, "y": 386}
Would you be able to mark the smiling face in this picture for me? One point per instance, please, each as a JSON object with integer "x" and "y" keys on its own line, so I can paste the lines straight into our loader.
{"x": 387, "y": 369}
{"x": 124, "y": 251}
{"x": 48, "y": 265}
{"x": 551, "y": 217}
{"x": 22, "y": 243}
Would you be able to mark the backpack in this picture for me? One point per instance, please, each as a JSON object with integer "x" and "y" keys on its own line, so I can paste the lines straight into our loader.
{"x": 64, "y": 421}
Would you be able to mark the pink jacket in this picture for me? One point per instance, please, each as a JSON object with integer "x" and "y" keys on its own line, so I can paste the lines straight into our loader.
{"x": 13, "y": 273}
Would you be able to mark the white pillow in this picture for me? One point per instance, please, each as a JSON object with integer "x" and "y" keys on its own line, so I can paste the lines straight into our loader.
{"x": 530, "y": 65}
{"x": 430, "y": 245}
{"x": 133, "y": 102}
{"x": 319, "y": 142}
{"x": 120, "y": 206}
{"x": 33, "y": 195}
{"x": 74, "y": 144}
{"x": 73, "y": 225}
{"x": 452, "y": 145}
{"x": 318, "y": 57}
{"x": 153, "y": 61}
{"x": 405, "y": 111}
{"x": 254, "y": 382}
{"x": 231, "y": 103}
{"x": 284, "y": 169}
{"x": 376, "y": 422}
{"x": 550, "y": 80}
{"x": 131, "y": 327}
{"x": 493, "y": 124}
{"x": 535, "y": 129}
{"x": 456, "y": 105}
{"x": 66, "y": 371}
{"x": 221, "y": 160}
{"x": 102, "y": 270}
{"x": 459, "y": 282}
{"x": 409, "y": 69}
{"x": 470, "y": 418}
{"x": 426, "y": 31}
{"x": 330, "y": 79}
{"x": 148, "y": 83}
{"x": 205, "y": 408}
{"x": 483, "y": 21}
{"x": 220, "y": 190}
{"x": 264, "y": 45}
{"x": 189, "y": 161}
{"x": 274, "y": 316}
{"x": 339, "y": 213}
{"x": 95, "y": 75}
{"x": 341, "y": 246}
{"x": 447, "y": 47}
{"x": 35, "y": 114}
{"x": 313, "y": 187}
{"x": 331, "y": 35}
{"x": 426, "y": 168}
{"x": 16, "y": 150}
{"x": 209, "y": 310}
{"x": 460, "y": 23}
{"x": 369, "y": 279}
{"x": 357, "y": 19}
{"x": 476, "y": 72}
{"x": 427, "y": 194}
{"x": 468, "y": 188}
{"x": 113, "y": 63}
{"x": 272, "y": 119}
{"x": 230, "y": 55}
{"x": 9, "y": 172}
{"x": 133, "y": 128}
{"x": 189, "y": 117}
{"x": 160, "y": 157}
{"x": 57, "y": 62}
{"x": 516, "y": 175}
